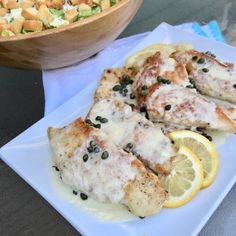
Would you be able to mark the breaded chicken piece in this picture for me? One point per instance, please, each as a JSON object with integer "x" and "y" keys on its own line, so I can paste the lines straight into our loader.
{"x": 181, "y": 106}
{"x": 89, "y": 162}
{"x": 209, "y": 75}
{"x": 132, "y": 131}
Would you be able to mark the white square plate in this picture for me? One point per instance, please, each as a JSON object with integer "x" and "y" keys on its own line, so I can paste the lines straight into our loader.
{"x": 29, "y": 155}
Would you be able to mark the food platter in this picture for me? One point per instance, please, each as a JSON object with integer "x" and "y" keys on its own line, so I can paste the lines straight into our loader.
{"x": 29, "y": 155}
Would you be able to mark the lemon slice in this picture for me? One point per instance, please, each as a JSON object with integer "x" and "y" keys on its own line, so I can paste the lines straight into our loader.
{"x": 136, "y": 60}
{"x": 201, "y": 147}
{"x": 184, "y": 180}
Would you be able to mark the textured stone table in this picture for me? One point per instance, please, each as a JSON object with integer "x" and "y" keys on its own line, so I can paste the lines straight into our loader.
{"x": 22, "y": 210}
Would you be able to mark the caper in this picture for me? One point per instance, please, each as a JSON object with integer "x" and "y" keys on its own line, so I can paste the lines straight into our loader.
{"x": 190, "y": 86}
{"x": 88, "y": 121}
{"x": 144, "y": 91}
{"x": 132, "y": 106}
{"x": 194, "y": 58}
{"x": 83, "y": 196}
{"x": 105, "y": 155}
{"x": 90, "y": 149}
{"x": 201, "y": 61}
{"x": 92, "y": 143}
{"x": 132, "y": 96}
{"x": 167, "y": 107}
{"x": 129, "y": 146}
{"x": 205, "y": 70}
{"x": 56, "y": 168}
{"x": 98, "y": 118}
{"x": 125, "y": 80}
{"x": 117, "y": 88}
{"x": 104, "y": 120}
{"x": 96, "y": 150}
{"x": 85, "y": 157}
{"x": 98, "y": 126}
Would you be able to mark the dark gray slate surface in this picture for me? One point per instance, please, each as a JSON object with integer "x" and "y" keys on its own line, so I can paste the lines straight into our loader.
{"x": 25, "y": 212}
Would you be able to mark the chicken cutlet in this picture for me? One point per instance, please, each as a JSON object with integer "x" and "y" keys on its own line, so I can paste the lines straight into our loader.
{"x": 90, "y": 162}
{"x": 133, "y": 132}
{"x": 209, "y": 75}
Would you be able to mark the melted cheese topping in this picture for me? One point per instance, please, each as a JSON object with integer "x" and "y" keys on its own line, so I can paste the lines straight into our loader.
{"x": 97, "y": 177}
{"x": 125, "y": 126}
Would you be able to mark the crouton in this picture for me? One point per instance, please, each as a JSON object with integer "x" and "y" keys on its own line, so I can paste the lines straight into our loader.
{"x": 105, "y": 4}
{"x": 45, "y": 15}
{"x": 74, "y": 2}
{"x": 84, "y": 7}
{"x": 4, "y": 3}
{"x": 71, "y": 15}
{"x": 39, "y": 3}
{"x": 97, "y": 2}
{"x": 16, "y": 25}
{"x": 4, "y": 26}
{"x": 27, "y": 4}
{"x": 30, "y": 13}
{"x": 3, "y": 11}
{"x": 88, "y": 2}
{"x": 33, "y": 25}
{"x": 57, "y": 4}
{"x": 13, "y": 4}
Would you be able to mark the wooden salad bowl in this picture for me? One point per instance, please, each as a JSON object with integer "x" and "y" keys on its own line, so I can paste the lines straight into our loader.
{"x": 70, "y": 44}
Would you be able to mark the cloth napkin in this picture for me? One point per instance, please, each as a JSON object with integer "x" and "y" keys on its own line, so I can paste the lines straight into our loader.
{"x": 62, "y": 84}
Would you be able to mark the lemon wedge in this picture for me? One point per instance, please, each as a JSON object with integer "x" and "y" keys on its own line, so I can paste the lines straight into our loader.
{"x": 184, "y": 180}
{"x": 202, "y": 148}
{"x": 136, "y": 60}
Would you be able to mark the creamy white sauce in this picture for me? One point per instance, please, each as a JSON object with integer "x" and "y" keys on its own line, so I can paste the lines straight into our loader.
{"x": 125, "y": 126}
{"x": 102, "y": 211}
{"x": 218, "y": 137}
{"x": 169, "y": 65}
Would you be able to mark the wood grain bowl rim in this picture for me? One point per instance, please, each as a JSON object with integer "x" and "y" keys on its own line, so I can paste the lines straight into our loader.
{"x": 69, "y": 26}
